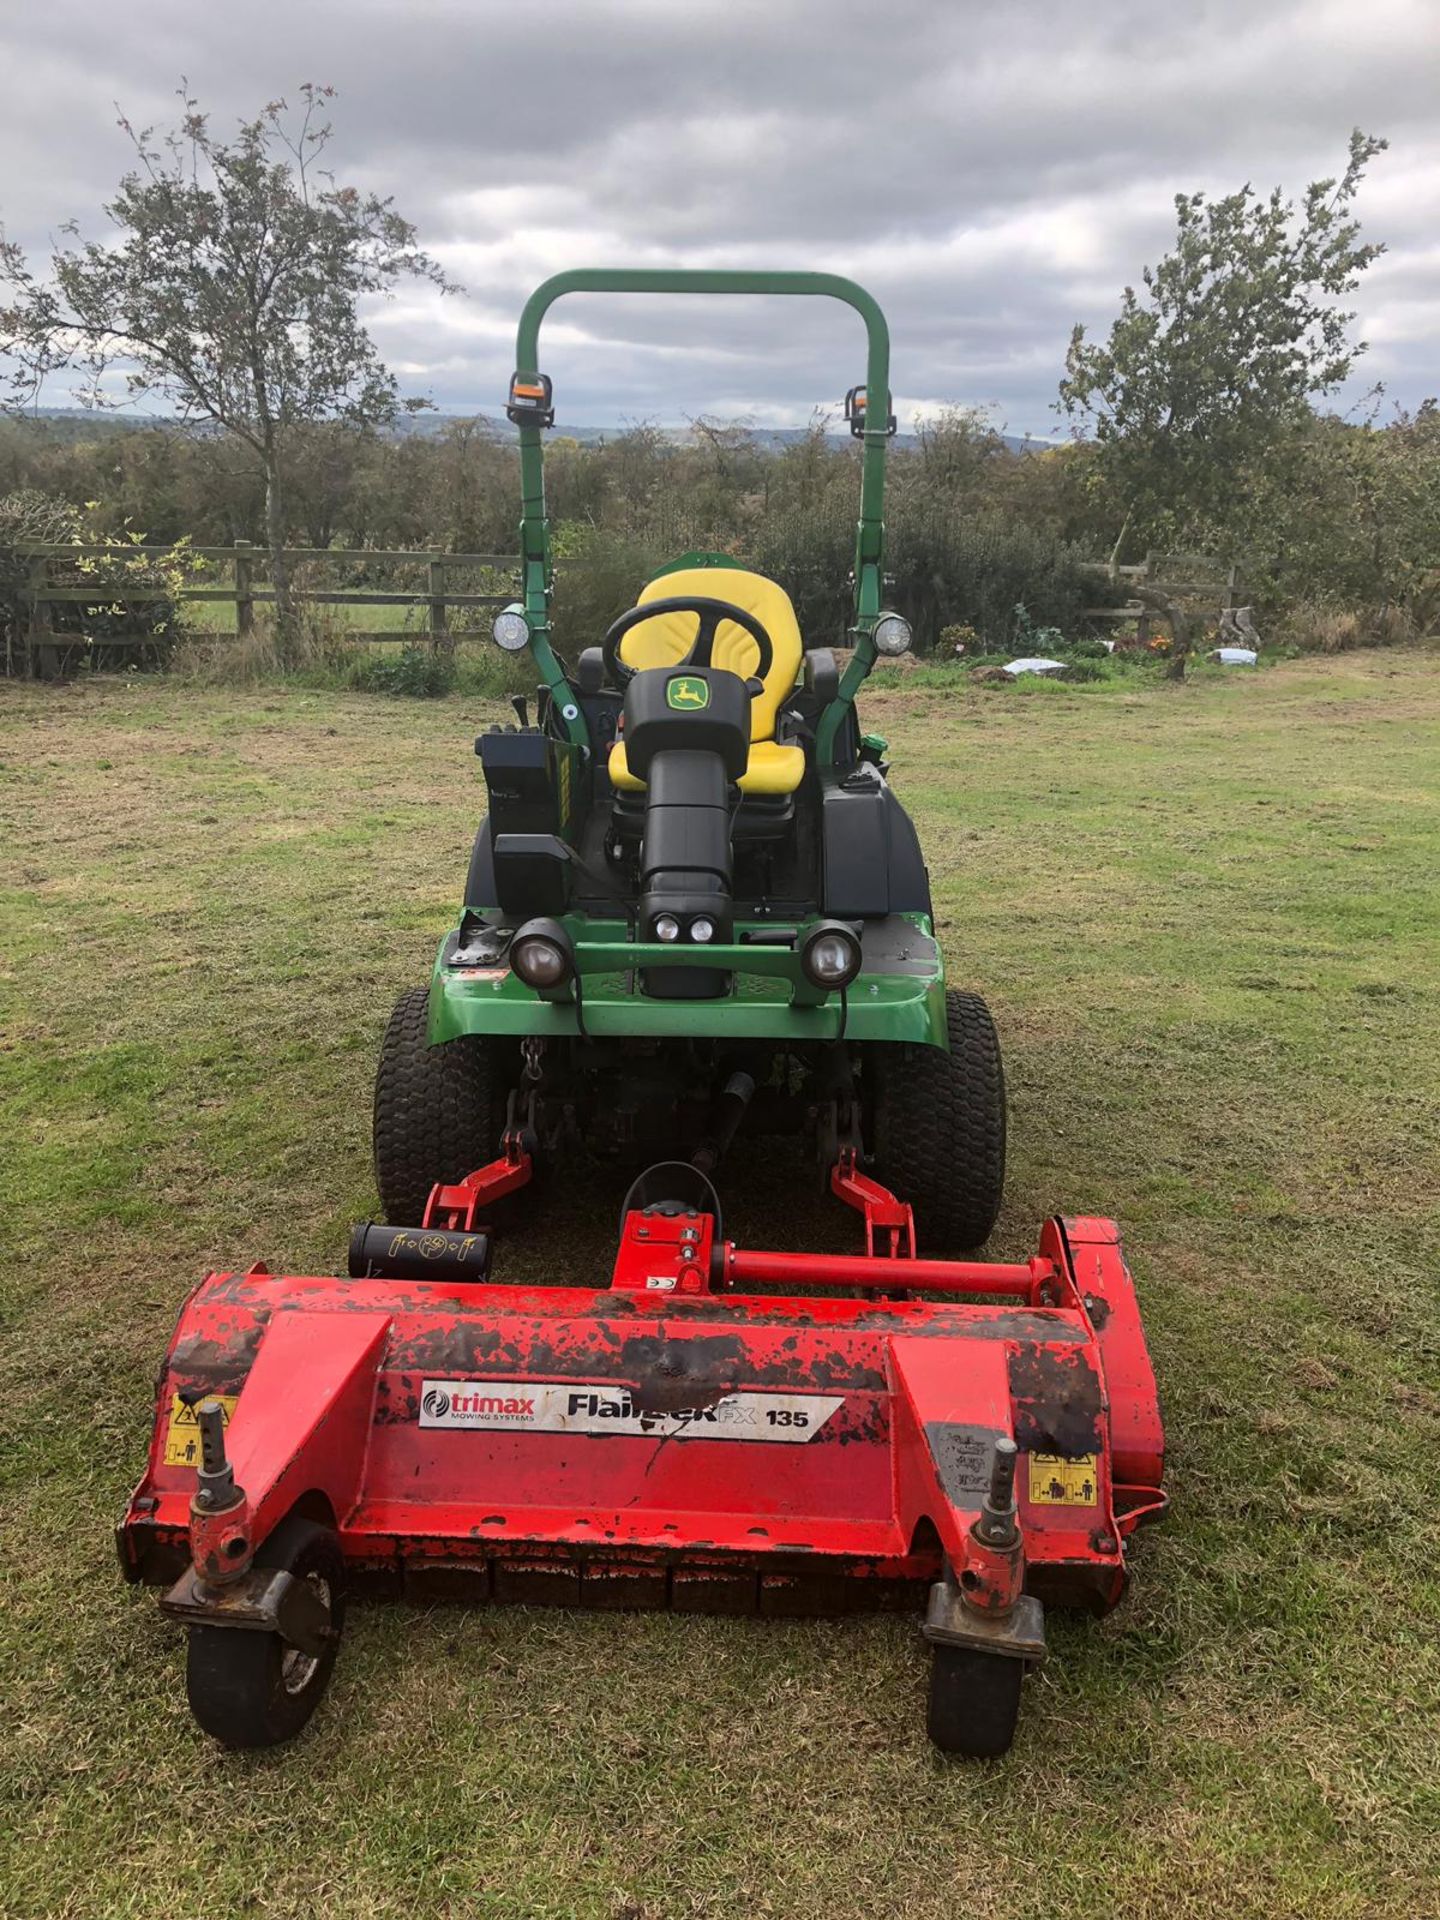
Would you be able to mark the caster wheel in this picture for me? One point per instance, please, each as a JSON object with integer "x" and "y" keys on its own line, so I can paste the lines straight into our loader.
{"x": 974, "y": 1701}
{"x": 252, "y": 1689}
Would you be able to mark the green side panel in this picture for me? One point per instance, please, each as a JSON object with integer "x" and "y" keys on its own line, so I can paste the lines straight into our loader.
{"x": 759, "y": 1006}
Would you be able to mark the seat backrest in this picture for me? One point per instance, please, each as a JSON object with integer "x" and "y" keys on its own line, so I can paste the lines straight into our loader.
{"x": 669, "y": 636}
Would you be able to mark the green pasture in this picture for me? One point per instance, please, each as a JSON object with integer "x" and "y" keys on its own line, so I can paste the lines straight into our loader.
{"x": 1208, "y": 919}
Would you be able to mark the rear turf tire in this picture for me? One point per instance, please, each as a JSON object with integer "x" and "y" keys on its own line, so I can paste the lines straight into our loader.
{"x": 938, "y": 1128}
{"x": 974, "y": 1701}
{"x": 250, "y": 1689}
{"x": 439, "y": 1111}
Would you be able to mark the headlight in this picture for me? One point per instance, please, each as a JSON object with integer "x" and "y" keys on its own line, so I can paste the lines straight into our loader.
{"x": 511, "y": 630}
{"x": 830, "y": 955}
{"x": 667, "y": 927}
{"x": 702, "y": 929}
{"x": 892, "y": 634}
{"x": 541, "y": 955}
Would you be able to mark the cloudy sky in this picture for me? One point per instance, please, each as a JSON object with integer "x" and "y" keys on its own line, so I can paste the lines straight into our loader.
{"x": 993, "y": 172}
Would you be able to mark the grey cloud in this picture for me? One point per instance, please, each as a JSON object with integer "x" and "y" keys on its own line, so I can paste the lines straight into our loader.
{"x": 995, "y": 173}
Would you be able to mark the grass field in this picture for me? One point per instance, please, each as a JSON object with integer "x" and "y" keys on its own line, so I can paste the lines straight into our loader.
{"x": 218, "y": 616}
{"x": 1207, "y": 918}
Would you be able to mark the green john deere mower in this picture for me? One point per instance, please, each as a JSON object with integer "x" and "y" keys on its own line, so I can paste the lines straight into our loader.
{"x": 696, "y": 903}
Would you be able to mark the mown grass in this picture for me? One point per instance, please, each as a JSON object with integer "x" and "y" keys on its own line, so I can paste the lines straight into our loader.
{"x": 1207, "y": 919}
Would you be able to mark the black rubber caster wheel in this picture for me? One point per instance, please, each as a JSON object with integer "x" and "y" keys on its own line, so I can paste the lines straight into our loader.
{"x": 251, "y": 1689}
{"x": 974, "y": 1701}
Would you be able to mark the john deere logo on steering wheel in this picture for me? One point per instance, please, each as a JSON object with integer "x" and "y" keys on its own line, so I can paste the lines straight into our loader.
{"x": 687, "y": 693}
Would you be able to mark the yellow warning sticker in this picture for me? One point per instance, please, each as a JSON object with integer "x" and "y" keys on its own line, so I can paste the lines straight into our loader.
{"x": 1057, "y": 1481}
{"x": 182, "y": 1438}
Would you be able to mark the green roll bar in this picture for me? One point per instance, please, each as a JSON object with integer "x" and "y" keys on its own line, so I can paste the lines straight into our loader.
{"x": 869, "y": 534}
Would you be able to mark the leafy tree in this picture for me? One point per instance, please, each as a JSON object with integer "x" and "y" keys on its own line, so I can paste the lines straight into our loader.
{"x": 472, "y": 479}
{"x": 1238, "y": 329}
{"x": 1348, "y": 515}
{"x": 232, "y": 291}
{"x": 960, "y": 454}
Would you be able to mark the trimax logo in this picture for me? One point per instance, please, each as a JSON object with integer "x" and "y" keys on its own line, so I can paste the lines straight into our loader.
{"x": 510, "y": 1405}
{"x": 687, "y": 692}
{"x": 476, "y": 1403}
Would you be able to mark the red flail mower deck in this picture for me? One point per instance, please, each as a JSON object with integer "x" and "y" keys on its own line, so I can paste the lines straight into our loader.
{"x": 675, "y": 1438}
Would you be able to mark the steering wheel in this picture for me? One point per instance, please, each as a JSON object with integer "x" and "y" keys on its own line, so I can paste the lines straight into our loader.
{"x": 710, "y": 613}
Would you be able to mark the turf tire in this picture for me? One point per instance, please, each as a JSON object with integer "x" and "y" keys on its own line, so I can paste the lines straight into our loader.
{"x": 439, "y": 1111}
{"x": 974, "y": 1701}
{"x": 249, "y": 1689}
{"x": 938, "y": 1128}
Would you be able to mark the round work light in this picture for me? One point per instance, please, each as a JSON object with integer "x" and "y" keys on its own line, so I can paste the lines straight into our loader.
{"x": 892, "y": 635}
{"x": 511, "y": 630}
{"x": 541, "y": 955}
{"x": 830, "y": 954}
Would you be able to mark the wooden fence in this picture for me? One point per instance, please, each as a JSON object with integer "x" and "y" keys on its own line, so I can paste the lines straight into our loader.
{"x": 34, "y": 644}
{"x": 1195, "y": 579}
{"x": 39, "y": 647}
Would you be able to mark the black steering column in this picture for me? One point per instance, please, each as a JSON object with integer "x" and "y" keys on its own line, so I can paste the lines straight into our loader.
{"x": 686, "y": 730}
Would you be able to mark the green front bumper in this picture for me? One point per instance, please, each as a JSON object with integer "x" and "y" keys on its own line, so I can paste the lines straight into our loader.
{"x": 883, "y": 1004}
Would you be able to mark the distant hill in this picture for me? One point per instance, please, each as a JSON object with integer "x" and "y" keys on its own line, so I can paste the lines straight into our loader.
{"x": 76, "y": 423}
{"x": 772, "y": 439}
{"x": 79, "y": 423}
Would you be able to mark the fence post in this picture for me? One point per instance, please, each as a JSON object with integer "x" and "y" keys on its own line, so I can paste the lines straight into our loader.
{"x": 244, "y": 589}
{"x": 39, "y": 567}
{"x": 438, "y": 629}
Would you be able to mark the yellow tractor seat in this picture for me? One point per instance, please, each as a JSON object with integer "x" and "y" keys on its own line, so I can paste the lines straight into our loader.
{"x": 772, "y": 767}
